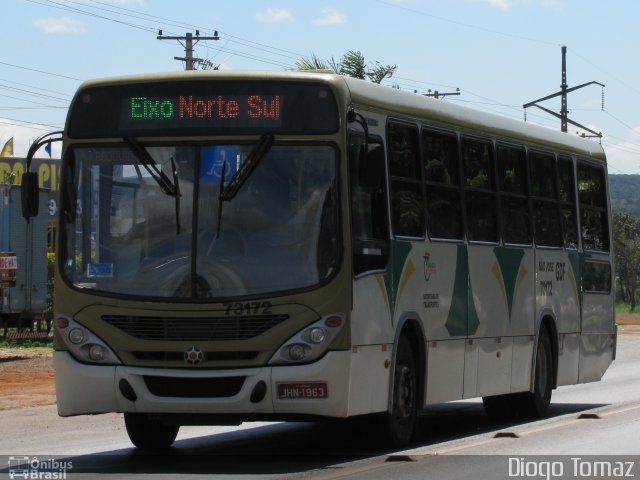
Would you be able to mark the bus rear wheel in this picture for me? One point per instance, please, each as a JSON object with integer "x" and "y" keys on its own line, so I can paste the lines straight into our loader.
{"x": 536, "y": 404}
{"x": 401, "y": 421}
{"x": 149, "y": 434}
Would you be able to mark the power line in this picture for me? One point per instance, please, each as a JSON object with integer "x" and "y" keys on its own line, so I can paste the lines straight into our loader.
{"x": 262, "y": 47}
{"x": 51, "y": 3}
{"x": 43, "y": 107}
{"x": 240, "y": 40}
{"x": 23, "y": 100}
{"x": 42, "y": 71}
{"x": 466, "y": 25}
{"x": 37, "y": 124}
{"x": 37, "y": 87}
{"x": 31, "y": 92}
{"x": 146, "y": 17}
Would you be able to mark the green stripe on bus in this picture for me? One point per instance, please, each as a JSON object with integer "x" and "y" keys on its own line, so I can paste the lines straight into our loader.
{"x": 399, "y": 253}
{"x": 509, "y": 260}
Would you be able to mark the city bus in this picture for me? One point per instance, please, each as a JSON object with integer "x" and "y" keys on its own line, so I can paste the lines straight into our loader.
{"x": 244, "y": 246}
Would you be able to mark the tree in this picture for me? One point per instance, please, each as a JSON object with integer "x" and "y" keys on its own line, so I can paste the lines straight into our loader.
{"x": 352, "y": 64}
{"x": 626, "y": 240}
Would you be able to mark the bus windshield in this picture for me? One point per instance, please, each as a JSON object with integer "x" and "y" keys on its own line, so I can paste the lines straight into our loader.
{"x": 128, "y": 235}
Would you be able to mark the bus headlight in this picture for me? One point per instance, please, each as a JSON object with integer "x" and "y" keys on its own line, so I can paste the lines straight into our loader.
{"x": 76, "y": 336}
{"x": 317, "y": 335}
{"x": 83, "y": 344}
{"x": 311, "y": 342}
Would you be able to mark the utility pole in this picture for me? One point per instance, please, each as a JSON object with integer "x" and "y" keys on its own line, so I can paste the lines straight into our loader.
{"x": 190, "y": 42}
{"x": 564, "y": 90}
{"x": 436, "y": 94}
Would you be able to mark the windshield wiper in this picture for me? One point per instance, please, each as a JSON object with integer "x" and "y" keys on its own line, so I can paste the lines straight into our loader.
{"x": 246, "y": 169}
{"x": 244, "y": 172}
{"x": 151, "y": 166}
{"x": 166, "y": 185}
{"x": 176, "y": 186}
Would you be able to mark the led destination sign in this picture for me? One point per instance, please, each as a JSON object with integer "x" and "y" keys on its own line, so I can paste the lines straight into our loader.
{"x": 251, "y": 109}
{"x": 202, "y": 108}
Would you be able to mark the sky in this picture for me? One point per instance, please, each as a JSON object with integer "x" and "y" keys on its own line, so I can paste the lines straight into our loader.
{"x": 501, "y": 54}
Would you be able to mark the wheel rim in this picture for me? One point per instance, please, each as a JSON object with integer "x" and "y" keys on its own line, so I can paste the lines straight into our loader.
{"x": 404, "y": 395}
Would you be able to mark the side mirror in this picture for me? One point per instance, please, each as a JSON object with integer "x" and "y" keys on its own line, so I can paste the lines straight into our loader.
{"x": 30, "y": 195}
{"x": 30, "y": 190}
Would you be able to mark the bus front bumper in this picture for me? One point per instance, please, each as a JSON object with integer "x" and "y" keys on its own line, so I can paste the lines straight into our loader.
{"x": 320, "y": 388}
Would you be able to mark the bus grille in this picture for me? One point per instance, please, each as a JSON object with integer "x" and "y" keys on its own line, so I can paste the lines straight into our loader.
{"x": 208, "y": 356}
{"x": 195, "y": 329}
{"x": 194, "y": 387}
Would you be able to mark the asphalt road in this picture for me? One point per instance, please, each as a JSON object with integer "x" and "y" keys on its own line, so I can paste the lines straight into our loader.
{"x": 456, "y": 441}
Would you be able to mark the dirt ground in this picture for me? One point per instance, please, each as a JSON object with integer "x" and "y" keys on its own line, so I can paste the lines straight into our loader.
{"x": 27, "y": 379}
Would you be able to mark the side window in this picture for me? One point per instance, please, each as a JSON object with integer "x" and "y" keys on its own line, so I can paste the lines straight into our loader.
{"x": 593, "y": 207}
{"x": 567, "y": 190}
{"x": 597, "y": 277}
{"x": 369, "y": 227}
{"x": 480, "y": 193}
{"x": 514, "y": 190}
{"x": 407, "y": 205}
{"x": 544, "y": 190}
{"x": 442, "y": 178}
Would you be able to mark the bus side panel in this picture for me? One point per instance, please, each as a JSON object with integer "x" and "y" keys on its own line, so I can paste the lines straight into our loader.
{"x": 445, "y": 364}
{"x": 494, "y": 366}
{"x": 442, "y": 281}
{"x": 370, "y": 317}
{"x": 502, "y": 280}
{"x": 598, "y": 311}
{"x": 557, "y": 289}
{"x": 369, "y": 379}
{"x": 434, "y": 281}
{"x": 568, "y": 358}
{"x": 521, "y": 367}
{"x": 500, "y": 311}
{"x": 596, "y": 354}
{"x": 597, "y": 342}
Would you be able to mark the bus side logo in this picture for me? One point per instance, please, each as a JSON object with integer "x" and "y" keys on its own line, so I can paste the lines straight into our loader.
{"x": 429, "y": 268}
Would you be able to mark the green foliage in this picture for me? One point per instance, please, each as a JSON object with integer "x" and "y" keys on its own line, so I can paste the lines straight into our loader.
{"x": 624, "y": 194}
{"x": 352, "y": 64}
{"x": 312, "y": 63}
{"x": 25, "y": 343}
{"x": 622, "y": 307}
{"x": 626, "y": 242}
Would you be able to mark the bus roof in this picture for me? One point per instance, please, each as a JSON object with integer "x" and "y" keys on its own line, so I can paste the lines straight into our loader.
{"x": 460, "y": 117}
{"x": 394, "y": 103}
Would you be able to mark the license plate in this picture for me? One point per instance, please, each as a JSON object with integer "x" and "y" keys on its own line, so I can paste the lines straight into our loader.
{"x": 302, "y": 391}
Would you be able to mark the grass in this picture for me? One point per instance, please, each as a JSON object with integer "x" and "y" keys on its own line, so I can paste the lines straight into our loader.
{"x": 626, "y": 308}
{"x": 624, "y": 315}
{"x": 24, "y": 343}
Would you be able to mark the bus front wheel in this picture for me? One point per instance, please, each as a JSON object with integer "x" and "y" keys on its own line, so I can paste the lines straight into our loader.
{"x": 401, "y": 421}
{"x": 149, "y": 434}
